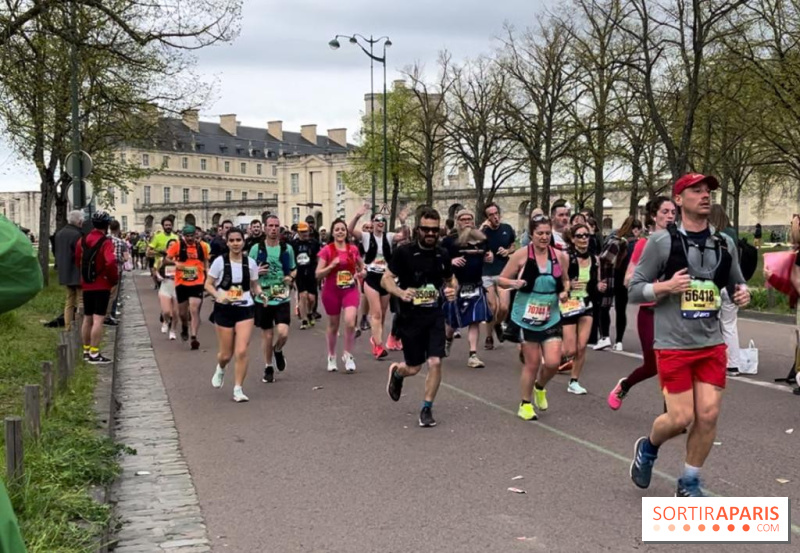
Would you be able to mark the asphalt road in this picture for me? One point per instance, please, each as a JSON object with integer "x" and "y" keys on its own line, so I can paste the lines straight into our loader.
{"x": 345, "y": 469}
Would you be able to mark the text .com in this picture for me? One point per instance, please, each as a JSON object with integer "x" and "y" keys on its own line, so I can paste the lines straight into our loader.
{"x": 716, "y": 519}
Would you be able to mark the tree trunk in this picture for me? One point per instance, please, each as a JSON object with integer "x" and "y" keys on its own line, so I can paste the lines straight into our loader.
{"x": 429, "y": 189}
{"x": 546, "y": 180}
{"x": 636, "y": 177}
{"x": 47, "y": 190}
{"x": 62, "y": 204}
{"x": 599, "y": 191}
{"x": 534, "y": 183}
{"x": 479, "y": 175}
{"x": 395, "y": 193}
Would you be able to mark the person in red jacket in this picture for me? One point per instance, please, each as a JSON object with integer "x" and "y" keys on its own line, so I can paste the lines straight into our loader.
{"x": 94, "y": 255}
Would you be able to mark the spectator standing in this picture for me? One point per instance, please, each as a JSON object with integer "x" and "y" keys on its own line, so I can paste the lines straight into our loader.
{"x": 69, "y": 274}
{"x": 729, "y": 312}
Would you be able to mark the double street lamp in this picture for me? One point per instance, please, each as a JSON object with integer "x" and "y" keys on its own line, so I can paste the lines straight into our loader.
{"x": 358, "y": 39}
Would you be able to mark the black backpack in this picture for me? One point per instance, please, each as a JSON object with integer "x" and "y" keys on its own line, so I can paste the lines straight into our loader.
{"x": 89, "y": 259}
{"x": 748, "y": 259}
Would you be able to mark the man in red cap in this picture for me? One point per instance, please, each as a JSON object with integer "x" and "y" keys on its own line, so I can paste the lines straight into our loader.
{"x": 683, "y": 270}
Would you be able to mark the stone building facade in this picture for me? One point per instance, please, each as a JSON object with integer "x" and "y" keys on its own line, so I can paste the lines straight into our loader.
{"x": 22, "y": 208}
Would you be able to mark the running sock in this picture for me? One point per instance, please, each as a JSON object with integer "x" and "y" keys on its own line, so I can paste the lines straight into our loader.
{"x": 571, "y": 380}
{"x": 472, "y": 352}
{"x": 524, "y": 402}
{"x": 427, "y": 404}
{"x": 538, "y": 386}
{"x": 85, "y": 348}
{"x": 650, "y": 447}
{"x": 625, "y": 386}
{"x": 94, "y": 352}
{"x": 690, "y": 472}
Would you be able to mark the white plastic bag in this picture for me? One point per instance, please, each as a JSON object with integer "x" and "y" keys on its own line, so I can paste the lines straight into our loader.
{"x": 749, "y": 356}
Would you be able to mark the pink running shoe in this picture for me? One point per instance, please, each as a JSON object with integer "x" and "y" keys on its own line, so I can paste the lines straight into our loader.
{"x": 617, "y": 395}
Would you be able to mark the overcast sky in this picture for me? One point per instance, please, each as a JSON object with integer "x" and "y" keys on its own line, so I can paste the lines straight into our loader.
{"x": 281, "y": 68}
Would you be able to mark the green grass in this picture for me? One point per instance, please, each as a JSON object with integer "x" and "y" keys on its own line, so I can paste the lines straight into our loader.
{"x": 53, "y": 504}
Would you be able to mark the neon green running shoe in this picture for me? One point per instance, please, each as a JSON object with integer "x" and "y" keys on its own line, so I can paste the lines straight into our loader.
{"x": 540, "y": 399}
{"x": 526, "y": 412}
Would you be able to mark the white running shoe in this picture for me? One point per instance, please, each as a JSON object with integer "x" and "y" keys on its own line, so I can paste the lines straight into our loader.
{"x": 349, "y": 362}
{"x": 164, "y": 328}
{"x": 332, "y": 364}
{"x": 618, "y": 346}
{"x": 219, "y": 377}
{"x": 602, "y": 343}
{"x": 172, "y": 335}
{"x": 238, "y": 395}
{"x": 575, "y": 388}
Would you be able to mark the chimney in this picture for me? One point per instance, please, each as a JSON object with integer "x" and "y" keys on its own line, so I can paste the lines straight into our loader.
{"x": 338, "y": 136}
{"x": 309, "y": 132}
{"x": 275, "y": 129}
{"x": 228, "y": 123}
{"x": 191, "y": 118}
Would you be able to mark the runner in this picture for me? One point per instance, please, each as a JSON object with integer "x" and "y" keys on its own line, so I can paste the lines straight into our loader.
{"x": 219, "y": 245}
{"x": 560, "y": 217}
{"x": 364, "y": 307}
{"x": 424, "y": 273}
{"x": 662, "y": 211}
{"x": 277, "y": 272}
{"x": 255, "y": 235}
{"x": 692, "y": 262}
{"x": 141, "y": 250}
{"x": 157, "y": 248}
{"x": 94, "y": 255}
{"x": 305, "y": 253}
{"x": 338, "y": 264}
{"x": 501, "y": 240}
{"x": 190, "y": 258}
{"x": 166, "y": 296}
{"x": 576, "y": 312}
{"x": 539, "y": 274}
{"x": 378, "y": 246}
{"x": 233, "y": 282}
{"x": 468, "y": 251}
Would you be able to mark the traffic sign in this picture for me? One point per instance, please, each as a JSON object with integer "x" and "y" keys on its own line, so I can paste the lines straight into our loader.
{"x": 86, "y": 164}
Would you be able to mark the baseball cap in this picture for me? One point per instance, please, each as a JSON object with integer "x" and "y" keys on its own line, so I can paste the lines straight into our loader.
{"x": 189, "y": 229}
{"x": 310, "y": 219}
{"x": 302, "y": 227}
{"x": 689, "y": 180}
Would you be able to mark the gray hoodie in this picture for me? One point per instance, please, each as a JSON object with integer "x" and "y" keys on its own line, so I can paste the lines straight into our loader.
{"x": 672, "y": 330}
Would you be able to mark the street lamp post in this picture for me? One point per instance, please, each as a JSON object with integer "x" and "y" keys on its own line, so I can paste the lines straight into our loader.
{"x": 334, "y": 44}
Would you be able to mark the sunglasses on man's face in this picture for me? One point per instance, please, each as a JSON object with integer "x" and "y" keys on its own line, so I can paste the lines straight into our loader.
{"x": 581, "y": 236}
{"x": 429, "y": 230}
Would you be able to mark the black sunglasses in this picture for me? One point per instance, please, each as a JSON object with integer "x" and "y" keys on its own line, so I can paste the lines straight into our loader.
{"x": 429, "y": 230}
{"x": 581, "y": 235}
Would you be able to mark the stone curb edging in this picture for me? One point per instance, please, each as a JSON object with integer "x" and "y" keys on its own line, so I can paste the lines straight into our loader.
{"x": 769, "y": 317}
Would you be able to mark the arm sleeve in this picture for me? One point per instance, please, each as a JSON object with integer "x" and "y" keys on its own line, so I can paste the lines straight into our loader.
{"x": 649, "y": 268}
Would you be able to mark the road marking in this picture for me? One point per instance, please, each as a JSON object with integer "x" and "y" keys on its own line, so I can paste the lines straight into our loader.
{"x": 580, "y": 441}
{"x": 742, "y": 379}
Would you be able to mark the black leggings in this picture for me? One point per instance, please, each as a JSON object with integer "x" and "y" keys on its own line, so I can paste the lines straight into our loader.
{"x": 603, "y": 316}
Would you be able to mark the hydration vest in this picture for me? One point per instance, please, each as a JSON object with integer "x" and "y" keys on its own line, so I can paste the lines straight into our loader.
{"x": 573, "y": 271}
{"x": 183, "y": 254}
{"x": 286, "y": 262}
{"x": 531, "y": 270}
{"x": 227, "y": 273}
{"x": 678, "y": 257}
{"x": 372, "y": 252}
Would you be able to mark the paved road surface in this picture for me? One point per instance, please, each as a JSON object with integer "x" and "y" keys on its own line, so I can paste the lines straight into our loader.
{"x": 344, "y": 469}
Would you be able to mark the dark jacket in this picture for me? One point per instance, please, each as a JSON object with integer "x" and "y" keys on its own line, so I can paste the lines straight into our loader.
{"x": 64, "y": 249}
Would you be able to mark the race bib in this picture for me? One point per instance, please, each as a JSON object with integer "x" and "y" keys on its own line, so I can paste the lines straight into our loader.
{"x": 279, "y": 292}
{"x": 344, "y": 279}
{"x": 303, "y": 259}
{"x": 427, "y": 296}
{"x": 234, "y": 294}
{"x": 572, "y": 307}
{"x": 189, "y": 273}
{"x": 379, "y": 265}
{"x": 701, "y": 300}
{"x": 469, "y": 291}
{"x": 537, "y": 312}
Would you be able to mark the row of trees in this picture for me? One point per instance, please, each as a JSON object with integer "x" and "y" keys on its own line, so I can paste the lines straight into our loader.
{"x": 132, "y": 55}
{"x": 638, "y": 90}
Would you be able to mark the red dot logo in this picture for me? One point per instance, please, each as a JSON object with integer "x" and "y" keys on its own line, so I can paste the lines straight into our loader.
{"x": 731, "y": 528}
{"x": 686, "y": 527}
{"x": 746, "y": 527}
{"x": 702, "y": 527}
{"x": 716, "y": 528}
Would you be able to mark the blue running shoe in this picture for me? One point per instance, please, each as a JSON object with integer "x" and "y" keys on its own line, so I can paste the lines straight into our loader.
{"x": 689, "y": 487}
{"x": 642, "y": 464}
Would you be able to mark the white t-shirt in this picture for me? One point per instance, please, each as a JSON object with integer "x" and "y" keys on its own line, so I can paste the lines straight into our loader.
{"x": 378, "y": 264}
{"x": 558, "y": 239}
{"x": 236, "y": 294}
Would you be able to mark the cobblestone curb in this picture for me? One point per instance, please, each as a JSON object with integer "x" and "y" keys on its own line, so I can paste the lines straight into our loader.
{"x": 155, "y": 499}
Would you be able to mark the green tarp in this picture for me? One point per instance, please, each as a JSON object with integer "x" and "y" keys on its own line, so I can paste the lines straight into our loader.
{"x": 21, "y": 276}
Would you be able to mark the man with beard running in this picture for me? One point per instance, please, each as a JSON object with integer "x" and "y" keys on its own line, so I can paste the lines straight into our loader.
{"x": 424, "y": 275}
{"x": 277, "y": 272}
{"x": 468, "y": 251}
{"x": 157, "y": 248}
{"x": 306, "y": 249}
{"x": 683, "y": 270}
{"x": 501, "y": 240}
{"x": 254, "y": 236}
{"x": 190, "y": 257}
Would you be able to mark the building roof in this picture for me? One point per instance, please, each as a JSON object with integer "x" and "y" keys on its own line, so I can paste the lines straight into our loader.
{"x": 250, "y": 142}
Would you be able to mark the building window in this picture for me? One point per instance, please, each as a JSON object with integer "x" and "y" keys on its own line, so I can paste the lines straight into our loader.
{"x": 204, "y": 192}
{"x": 274, "y": 170}
{"x": 184, "y": 163}
{"x": 147, "y": 194}
{"x": 203, "y": 164}
{"x": 167, "y": 195}
{"x": 227, "y": 166}
{"x": 125, "y": 223}
{"x": 243, "y": 168}
{"x": 228, "y": 196}
{"x": 123, "y": 197}
{"x": 260, "y": 195}
{"x": 244, "y": 196}
{"x": 165, "y": 162}
{"x": 295, "y": 215}
{"x": 295, "y": 183}
{"x": 145, "y": 160}
{"x": 186, "y": 195}
{"x": 258, "y": 169}
{"x": 340, "y": 181}
{"x": 123, "y": 157}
